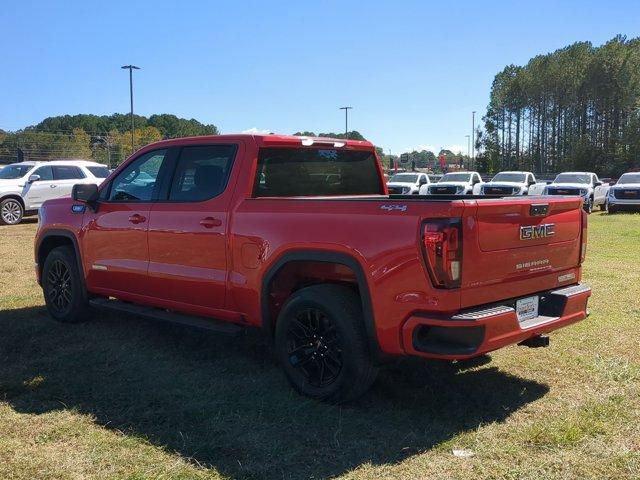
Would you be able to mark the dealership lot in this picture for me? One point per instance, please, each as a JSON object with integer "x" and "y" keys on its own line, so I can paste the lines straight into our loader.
{"x": 127, "y": 398}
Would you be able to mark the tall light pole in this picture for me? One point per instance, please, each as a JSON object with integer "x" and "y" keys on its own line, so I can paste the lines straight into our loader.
{"x": 131, "y": 68}
{"x": 473, "y": 138}
{"x": 346, "y": 120}
{"x": 468, "y": 147}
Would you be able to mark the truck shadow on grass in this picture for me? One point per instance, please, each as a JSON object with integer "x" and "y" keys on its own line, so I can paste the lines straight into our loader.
{"x": 222, "y": 403}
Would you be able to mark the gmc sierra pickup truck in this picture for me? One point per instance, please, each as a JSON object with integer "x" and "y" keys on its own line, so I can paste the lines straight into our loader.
{"x": 299, "y": 237}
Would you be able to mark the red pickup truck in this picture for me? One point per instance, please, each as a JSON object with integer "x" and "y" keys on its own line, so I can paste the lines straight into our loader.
{"x": 299, "y": 237}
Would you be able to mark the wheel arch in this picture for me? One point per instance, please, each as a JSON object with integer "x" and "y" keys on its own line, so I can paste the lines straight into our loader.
{"x": 15, "y": 196}
{"x": 321, "y": 256}
{"x": 56, "y": 238}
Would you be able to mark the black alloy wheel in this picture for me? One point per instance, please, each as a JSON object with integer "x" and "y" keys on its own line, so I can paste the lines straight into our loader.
{"x": 58, "y": 287}
{"x": 314, "y": 347}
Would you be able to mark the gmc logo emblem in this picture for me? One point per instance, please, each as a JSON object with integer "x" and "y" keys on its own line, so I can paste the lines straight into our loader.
{"x": 532, "y": 232}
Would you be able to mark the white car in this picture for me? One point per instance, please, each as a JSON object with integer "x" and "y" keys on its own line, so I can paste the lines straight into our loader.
{"x": 513, "y": 183}
{"x": 407, "y": 183}
{"x": 625, "y": 193}
{"x": 25, "y": 186}
{"x": 585, "y": 184}
{"x": 458, "y": 183}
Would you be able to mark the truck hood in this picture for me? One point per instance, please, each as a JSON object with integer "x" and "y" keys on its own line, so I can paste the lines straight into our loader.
{"x": 623, "y": 186}
{"x": 401, "y": 184}
{"x": 450, "y": 184}
{"x": 569, "y": 185}
{"x": 505, "y": 184}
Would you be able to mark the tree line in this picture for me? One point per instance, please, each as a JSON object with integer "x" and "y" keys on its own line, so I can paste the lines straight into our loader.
{"x": 577, "y": 108}
{"x": 105, "y": 138}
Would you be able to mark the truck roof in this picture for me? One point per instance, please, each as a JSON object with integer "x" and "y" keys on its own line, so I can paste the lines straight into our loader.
{"x": 270, "y": 139}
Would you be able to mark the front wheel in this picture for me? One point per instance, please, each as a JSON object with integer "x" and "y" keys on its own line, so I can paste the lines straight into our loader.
{"x": 588, "y": 207}
{"x": 322, "y": 346}
{"x": 63, "y": 288}
{"x": 609, "y": 208}
{"x": 11, "y": 211}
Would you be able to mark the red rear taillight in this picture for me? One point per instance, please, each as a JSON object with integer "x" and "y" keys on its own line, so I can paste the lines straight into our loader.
{"x": 442, "y": 250}
{"x": 583, "y": 236}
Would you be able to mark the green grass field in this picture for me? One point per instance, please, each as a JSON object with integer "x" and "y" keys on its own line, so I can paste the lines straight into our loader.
{"x": 125, "y": 398}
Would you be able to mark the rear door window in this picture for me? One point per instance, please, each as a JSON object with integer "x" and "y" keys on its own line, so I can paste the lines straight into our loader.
{"x": 66, "y": 172}
{"x": 201, "y": 172}
{"x": 293, "y": 172}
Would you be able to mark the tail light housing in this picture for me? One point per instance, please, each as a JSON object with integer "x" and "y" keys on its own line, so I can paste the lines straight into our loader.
{"x": 442, "y": 251}
{"x": 583, "y": 236}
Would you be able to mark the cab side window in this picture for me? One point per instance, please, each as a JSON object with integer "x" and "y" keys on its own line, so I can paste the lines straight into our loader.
{"x": 138, "y": 181}
{"x": 202, "y": 172}
{"x": 45, "y": 173}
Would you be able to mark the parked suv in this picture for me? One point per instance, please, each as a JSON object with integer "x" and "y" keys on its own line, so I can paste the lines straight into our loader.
{"x": 25, "y": 186}
{"x": 298, "y": 236}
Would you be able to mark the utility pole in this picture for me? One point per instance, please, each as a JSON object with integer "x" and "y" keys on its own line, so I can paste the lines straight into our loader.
{"x": 131, "y": 68}
{"x": 473, "y": 138}
{"x": 346, "y": 120}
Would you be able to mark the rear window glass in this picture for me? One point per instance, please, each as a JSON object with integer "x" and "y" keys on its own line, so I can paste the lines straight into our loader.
{"x": 298, "y": 172}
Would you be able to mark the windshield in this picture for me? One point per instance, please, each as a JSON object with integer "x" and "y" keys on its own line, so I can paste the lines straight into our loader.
{"x": 509, "y": 177}
{"x": 404, "y": 178}
{"x": 629, "y": 178}
{"x": 573, "y": 178}
{"x": 11, "y": 172}
{"x": 99, "y": 172}
{"x": 456, "y": 177}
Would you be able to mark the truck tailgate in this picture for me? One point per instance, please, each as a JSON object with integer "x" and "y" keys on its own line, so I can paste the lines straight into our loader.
{"x": 522, "y": 245}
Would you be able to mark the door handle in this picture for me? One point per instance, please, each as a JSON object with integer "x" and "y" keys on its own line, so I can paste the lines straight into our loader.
{"x": 53, "y": 186}
{"x": 136, "y": 218}
{"x": 210, "y": 222}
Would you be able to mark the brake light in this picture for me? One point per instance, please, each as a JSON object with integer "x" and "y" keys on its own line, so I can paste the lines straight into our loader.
{"x": 583, "y": 236}
{"x": 442, "y": 250}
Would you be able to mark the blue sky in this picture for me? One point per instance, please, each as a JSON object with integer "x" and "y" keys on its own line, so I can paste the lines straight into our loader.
{"x": 413, "y": 71}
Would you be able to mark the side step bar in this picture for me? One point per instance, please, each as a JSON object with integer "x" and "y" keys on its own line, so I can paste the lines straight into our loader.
{"x": 224, "y": 328}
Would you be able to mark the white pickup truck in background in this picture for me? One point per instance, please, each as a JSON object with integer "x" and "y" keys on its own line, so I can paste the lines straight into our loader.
{"x": 513, "y": 183}
{"x": 458, "y": 183}
{"x": 624, "y": 194}
{"x": 585, "y": 184}
{"x": 407, "y": 183}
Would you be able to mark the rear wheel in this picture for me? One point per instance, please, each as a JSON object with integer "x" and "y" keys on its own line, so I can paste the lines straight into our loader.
{"x": 11, "y": 211}
{"x": 321, "y": 344}
{"x": 63, "y": 288}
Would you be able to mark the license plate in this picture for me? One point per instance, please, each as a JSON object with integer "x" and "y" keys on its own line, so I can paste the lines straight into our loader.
{"x": 527, "y": 308}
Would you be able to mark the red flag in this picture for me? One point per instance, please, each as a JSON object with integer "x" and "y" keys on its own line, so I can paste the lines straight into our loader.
{"x": 442, "y": 159}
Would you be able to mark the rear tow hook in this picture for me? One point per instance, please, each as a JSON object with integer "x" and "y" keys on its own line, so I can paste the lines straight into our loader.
{"x": 536, "y": 342}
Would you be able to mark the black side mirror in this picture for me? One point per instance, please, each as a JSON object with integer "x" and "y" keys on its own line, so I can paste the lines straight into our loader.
{"x": 597, "y": 184}
{"x": 85, "y": 192}
{"x": 423, "y": 181}
{"x": 531, "y": 182}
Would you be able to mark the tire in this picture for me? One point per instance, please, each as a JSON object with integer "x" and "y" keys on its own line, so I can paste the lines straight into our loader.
{"x": 11, "y": 211}
{"x": 610, "y": 209}
{"x": 63, "y": 287}
{"x": 321, "y": 327}
{"x": 589, "y": 206}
